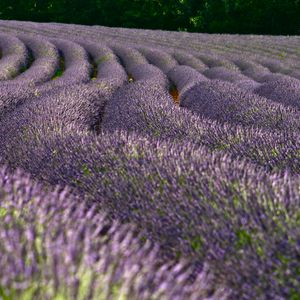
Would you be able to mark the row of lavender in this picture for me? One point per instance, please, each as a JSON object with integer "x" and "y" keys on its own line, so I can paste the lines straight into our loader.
{"x": 236, "y": 63}
{"x": 277, "y": 54}
{"x": 53, "y": 246}
{"x": 78, "y": 69}
{"x": 214, "y": 180}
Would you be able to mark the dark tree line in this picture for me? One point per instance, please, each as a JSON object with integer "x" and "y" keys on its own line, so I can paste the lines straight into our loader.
{"x": 224, "y": 16}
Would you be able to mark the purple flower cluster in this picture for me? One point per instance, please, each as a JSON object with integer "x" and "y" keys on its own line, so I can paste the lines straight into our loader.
{"x": 54, "y": 245}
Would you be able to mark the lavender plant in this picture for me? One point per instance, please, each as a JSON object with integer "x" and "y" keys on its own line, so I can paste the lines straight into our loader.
{"x": 14, "y": 56}
{"x": 53, "y": 246}
{"x": 46, "y": 60}
{"x": 224, "y": 74}
{"x": 286, "y": 91}
{"x": 159, "y": 58}
{"x": 226, "y": 103}
{"x": 209, "y": 208}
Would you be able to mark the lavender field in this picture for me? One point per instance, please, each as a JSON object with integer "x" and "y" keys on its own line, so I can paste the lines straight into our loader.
{"x": 142, "y": 164}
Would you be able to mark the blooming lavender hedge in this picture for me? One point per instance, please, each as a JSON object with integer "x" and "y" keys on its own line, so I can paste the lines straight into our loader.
{"x": 132, "y": 196}
{"x": 53, "y": 246}
{"x": 45, "y": 61}
{"x": 14, "y": 56}
{"x": 225, "y": 102}
{"x": 284, "y": 91}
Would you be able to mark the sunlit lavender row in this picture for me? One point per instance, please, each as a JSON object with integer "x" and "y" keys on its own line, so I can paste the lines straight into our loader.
{"x": 141, "y": 164}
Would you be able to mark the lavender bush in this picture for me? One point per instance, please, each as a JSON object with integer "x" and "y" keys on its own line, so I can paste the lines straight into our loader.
{"x": 54, "y": 246}
{"x": 284, "y": 91}
{"x": 45, "y": 61}
{"x": 14, "y": 56}
{"x": 225, "y": 102}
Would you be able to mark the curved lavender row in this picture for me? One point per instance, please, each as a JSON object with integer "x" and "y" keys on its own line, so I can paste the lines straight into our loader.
{"x": 189, "y": 60}
{"x": 247, "y": 85}
{"x": 256, "y": 72}
{"x": 150, "y": 74}
{"x": 129, "y": 107}
{"x": 225, "y": 102}
{"x": 274, "y": 77}
{"x": 130, "y": 57}
{"x": 234, "y": 44}
{"x": 72, "y": 251}
{"x": 184, "y": 77}
{"x": 285, "y": 91}
{"x": 138, "y": 67}
{"x": 216, "y": 61}
{"x": 14, "y": 56}
{"x": 69, "y": 108}
{"x": 109, "y": 71}
{"x": 46, "y": 61}
{"x": 224, "y": 74}
{"x": 159, "y": 58}
{"x": 150, "y": 110}
{"x": 274, "y": 65}
{"x": 76, "y": 61}
{"x": 246, "y": 64}
{"x": 197, "y": 205}
{"x": 259, "y": 72}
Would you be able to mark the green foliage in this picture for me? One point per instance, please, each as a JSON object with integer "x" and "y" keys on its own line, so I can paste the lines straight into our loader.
{"x": 197, "y": 243}
{"x": 227, "y": 16}
{"x": 243, "y": 238}
{"x": 57, "y": 74}
{"x": 86, "y": 171}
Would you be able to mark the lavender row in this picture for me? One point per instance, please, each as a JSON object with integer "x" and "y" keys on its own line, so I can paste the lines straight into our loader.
{"x": 69, "y": 108}
{"x": 224, "y": 74}
{"x": 159, "y": 58}
{"x": 54, "y": 246}
{"x": 13, "y": 95}
{"x": 130, "y": 57}
{"x": 138, "y": 67}
{"x": 76, "y": 64}
{"x": 185, "y": 77}
{"x": 213, "y": 61}
{"x": 14, "y": 56}
{"x": 187, "y": 59}
{"x": 225, "y": 102}
{"x": 208, "y": 208}
{"x": 285, "y": 91}
{"x": 109, "y": 70}
{"x": 150, "y": 110}
{"x": 45, "y": 61}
